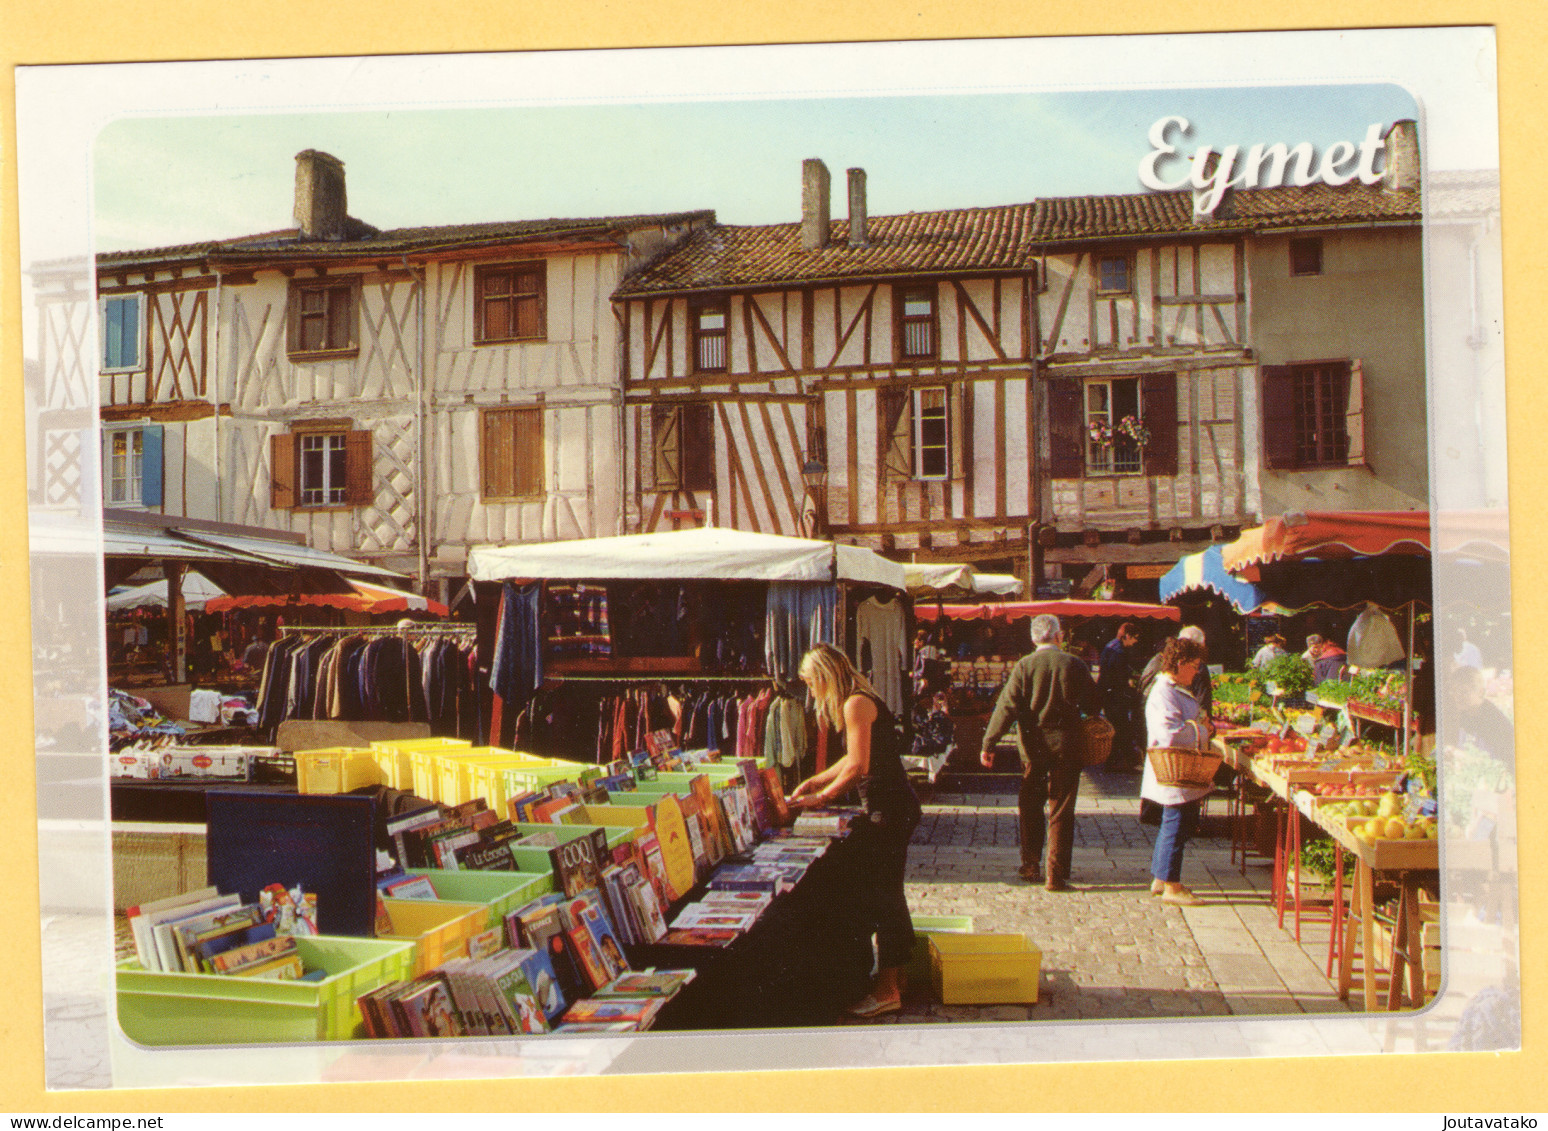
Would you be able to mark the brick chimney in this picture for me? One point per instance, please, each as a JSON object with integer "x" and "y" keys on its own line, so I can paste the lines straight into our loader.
{"x": 1402, "y": 149}
{"x": 320, "y": 203}
{"x": 816, "y": 190}
{"x": 857, "y": 218}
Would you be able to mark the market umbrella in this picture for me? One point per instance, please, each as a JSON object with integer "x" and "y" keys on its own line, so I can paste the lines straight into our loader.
{"x": 1343, "y": 559}
{"x": 364, "y": 597}
{"x": 1205, "y": 572}
{"x": 197, "y": 589}
{"x": 1066, "y": 607}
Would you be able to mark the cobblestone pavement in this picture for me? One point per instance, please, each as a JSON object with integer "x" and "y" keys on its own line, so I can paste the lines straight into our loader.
{"x": 1110, "y": 949}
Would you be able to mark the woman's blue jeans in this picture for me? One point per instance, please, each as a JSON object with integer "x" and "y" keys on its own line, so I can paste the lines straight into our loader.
{"x": 1177, "y": 825}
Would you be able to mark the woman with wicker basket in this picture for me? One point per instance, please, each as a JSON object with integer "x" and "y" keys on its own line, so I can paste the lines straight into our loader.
{"x": 1179, "y": 764}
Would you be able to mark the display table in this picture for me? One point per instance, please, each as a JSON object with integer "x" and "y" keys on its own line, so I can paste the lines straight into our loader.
{"x": 801, "y": 964}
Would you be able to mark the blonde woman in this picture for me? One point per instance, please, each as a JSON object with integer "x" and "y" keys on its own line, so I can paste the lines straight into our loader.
{"x": 872, "y": 760}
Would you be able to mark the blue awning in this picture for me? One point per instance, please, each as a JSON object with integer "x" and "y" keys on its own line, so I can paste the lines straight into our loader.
{"x": 1205, "y": 571}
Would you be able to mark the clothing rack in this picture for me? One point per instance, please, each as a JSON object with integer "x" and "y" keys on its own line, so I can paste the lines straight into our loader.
{"x": 659, "y": 677}
{"x": 380, "y": 630}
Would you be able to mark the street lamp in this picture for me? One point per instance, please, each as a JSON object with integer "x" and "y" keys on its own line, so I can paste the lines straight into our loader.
{"x": 814, "y": 519}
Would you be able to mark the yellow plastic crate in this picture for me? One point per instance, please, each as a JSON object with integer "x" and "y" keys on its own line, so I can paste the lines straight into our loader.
{"x": 618, "y": 816}
{"x": 336, "y": 770}
{"x": 439, "y": 929}
{"x": 502, "y": 892}
{"x": 395, "y": 757}
{"x": 927, "y": 927}
{"x": 485, "y": 775}
{"x": 163, "y": 1008}
{"x": 984, "y": 969}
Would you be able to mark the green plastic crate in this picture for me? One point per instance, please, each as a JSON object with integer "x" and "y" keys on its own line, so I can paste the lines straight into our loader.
{"x": 537, "y": 859}
{"x": 158, "y": 1008}
{"x": 501, "y": 892}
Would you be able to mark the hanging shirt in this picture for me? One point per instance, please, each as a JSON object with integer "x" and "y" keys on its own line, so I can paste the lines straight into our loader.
{"x": 879, "y": 625}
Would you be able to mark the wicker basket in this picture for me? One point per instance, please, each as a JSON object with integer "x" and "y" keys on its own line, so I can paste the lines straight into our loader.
{"x": 1182, "y": 767}
{"x": 1097, "y": 740}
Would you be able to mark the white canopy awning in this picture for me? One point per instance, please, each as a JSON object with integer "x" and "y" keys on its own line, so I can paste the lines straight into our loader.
{"x": 197, "y": 589}
{"x": 999, "y": 584}
{"x": 705, "y": 554}
{"x": 958, "y": 579}
{"x": 932, "y": 577}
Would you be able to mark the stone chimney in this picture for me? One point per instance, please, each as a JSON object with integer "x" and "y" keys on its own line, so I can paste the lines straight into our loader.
{"x": 857, "y": 219}
{"x": 321, "y": 209}
{"x": 1402, "y": 149}
{"x": 816, "y": 190}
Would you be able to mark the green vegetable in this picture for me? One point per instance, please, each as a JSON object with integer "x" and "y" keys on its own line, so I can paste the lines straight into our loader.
{"x": 1291, "y": 674}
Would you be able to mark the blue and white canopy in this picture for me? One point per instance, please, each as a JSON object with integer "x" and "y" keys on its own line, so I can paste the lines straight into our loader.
{"x": 1205, "y": 571}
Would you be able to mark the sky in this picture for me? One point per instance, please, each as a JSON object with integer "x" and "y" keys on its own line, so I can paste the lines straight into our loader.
{"x": 174, "y": 179}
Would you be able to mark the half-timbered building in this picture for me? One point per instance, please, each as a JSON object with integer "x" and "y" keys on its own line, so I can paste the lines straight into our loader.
{"x": 1070, "y": 387}
{"x": 867, "y": 378}
{"x": 394, "y": 395}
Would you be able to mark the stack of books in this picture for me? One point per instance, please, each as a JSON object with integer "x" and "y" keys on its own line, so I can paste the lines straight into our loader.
{"x": 629, "y": 1003}
{"x": 204, "y": 932}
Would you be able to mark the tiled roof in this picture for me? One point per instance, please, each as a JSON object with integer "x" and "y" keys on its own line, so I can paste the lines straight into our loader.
{"x": 1171, "y": 213}
{"x": 369, "y": 241}
{"x": 961, "y": 239}
{"x": 990, "y": 239}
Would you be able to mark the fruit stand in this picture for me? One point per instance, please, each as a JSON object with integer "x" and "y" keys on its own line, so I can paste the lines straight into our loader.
{"x": 1334, "y": 792}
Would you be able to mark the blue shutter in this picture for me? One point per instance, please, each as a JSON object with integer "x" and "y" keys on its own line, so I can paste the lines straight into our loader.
{"x": 113, "y": 334}
{"x": 150, "y": 466}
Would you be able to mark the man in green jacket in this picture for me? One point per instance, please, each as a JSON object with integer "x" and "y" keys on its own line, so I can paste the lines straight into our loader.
{"x": 1045, "y": 696}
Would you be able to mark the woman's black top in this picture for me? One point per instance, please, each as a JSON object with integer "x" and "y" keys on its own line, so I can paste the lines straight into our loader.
{"x": 884, "y": 790}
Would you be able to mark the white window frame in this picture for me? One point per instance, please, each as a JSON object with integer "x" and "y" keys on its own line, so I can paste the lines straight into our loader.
{"x": 920, "y": 447}
{"x": 1101, "y": 460}
{"x": 138, "y": 301}
{"x": 134, "y": 477}
{"x": 327, "y": 493}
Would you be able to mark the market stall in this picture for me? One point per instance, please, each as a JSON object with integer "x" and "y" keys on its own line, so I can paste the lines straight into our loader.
{"x": 1320, "y": 766}
{"x": 984, "y": 639}
{"x": 593, "y": 643}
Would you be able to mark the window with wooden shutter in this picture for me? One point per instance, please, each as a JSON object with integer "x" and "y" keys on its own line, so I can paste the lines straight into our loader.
{"x": 1314, "y": 415}
{"x": 323, "y": 318}
{"x": 510, "y": 303}
{"x": 683, "y": 446}
{"x": 1113, "y": 410}
{"x": 1158, "y": 413}
{"x": 131, "y": 466}
{"x": 1066, "y": 428}
{"x": 895, "y": 432}
{"x": 315, "y": 467}
{"x": 511, "y": 453}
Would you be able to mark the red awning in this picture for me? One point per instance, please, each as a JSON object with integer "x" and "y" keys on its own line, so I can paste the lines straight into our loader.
{"x": 1329, "y": 534}
{"x": 1011, "y": 610}
{"x": 366, "y": 598}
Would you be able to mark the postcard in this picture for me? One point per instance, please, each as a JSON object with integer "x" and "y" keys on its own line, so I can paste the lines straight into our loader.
{"x": 1221, "y": 341}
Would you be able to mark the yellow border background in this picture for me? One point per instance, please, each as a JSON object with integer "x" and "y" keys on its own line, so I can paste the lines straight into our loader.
{"x": 79, "y": 31}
